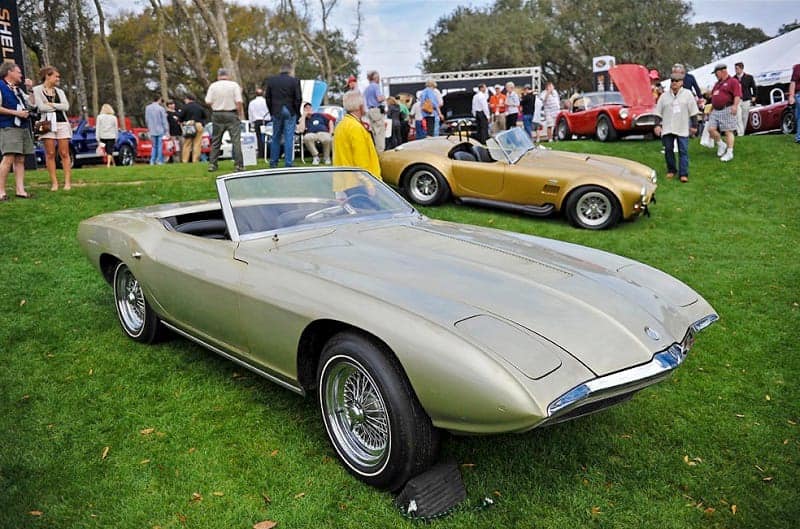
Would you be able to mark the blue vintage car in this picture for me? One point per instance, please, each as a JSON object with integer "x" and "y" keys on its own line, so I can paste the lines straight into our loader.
{"x": 83, "y": 147}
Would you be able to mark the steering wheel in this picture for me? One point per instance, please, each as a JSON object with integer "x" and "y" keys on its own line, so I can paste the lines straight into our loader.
{"x": 336, "y": 209}
{"x": 357, "y": 196}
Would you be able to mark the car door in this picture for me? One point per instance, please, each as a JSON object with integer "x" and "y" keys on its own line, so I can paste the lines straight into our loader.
{"x": 86, "y": 140}
{"x": 478, "y": 179}
{"x": 196, "y": 282}
{"x": 524, "y": 185}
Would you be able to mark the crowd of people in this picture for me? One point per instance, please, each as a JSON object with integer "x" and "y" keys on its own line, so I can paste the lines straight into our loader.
{"x": 681, "y": 110}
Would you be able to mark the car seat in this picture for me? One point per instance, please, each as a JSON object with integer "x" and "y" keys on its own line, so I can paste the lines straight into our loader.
{"x": 481, "y": 153}
{"x": 464, "y": 156}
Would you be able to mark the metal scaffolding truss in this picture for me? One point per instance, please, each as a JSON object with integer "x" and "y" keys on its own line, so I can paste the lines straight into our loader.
{"x": 535, "y": 72}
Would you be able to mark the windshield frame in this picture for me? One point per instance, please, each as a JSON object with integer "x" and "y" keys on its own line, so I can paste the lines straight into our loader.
{"x": 513, "y": 153}
{"x": 230, "y": 219}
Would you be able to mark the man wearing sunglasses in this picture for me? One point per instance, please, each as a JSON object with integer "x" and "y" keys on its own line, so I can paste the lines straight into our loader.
{"x": 677, "y": 111}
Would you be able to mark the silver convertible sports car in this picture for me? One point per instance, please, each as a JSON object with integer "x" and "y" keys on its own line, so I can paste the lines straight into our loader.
{"x": 326, "y": 281}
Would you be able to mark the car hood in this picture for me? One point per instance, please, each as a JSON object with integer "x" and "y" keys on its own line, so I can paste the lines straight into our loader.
{"x": 592, "y": 304}
{"x": 634, "y": 83}
{"x": 457, "y": 105}
{"x": 569, "y": 164}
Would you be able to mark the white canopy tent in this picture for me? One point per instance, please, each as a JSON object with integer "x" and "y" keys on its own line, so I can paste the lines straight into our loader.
{"x": 769, "y": 62}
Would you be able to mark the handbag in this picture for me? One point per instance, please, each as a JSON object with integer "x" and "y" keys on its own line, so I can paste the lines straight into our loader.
{"x": 189, "y": 129}
{"x": 42, "y": 127}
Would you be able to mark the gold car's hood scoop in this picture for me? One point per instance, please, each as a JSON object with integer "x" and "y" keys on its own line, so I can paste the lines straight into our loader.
{"x": 578, "y": 298}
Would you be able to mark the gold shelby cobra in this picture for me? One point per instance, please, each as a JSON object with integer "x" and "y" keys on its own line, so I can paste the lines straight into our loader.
{"x": 593, "y": 191}
{"x": 328, "y": 283}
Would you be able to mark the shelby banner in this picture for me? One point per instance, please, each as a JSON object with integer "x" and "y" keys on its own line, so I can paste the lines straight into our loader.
{"x": 10, "y": 36}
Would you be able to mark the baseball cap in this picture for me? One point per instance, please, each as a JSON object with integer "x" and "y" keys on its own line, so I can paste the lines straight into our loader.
{"x": 351, "y": 79}
{"x": 527, "y": 85}
{"x": 720, "y": 66}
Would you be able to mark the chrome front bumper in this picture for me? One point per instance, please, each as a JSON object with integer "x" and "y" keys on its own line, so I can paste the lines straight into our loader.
{"x": 605, "y": 391}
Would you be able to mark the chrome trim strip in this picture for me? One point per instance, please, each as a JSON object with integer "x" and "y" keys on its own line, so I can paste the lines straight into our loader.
{"x": 628, "y": 380}
{"x": 256, "y": 370}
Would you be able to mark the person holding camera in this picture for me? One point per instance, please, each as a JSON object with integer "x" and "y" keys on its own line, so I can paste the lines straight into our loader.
{"x": 15, "y": 132}
{"x": 52, "y": 104}
{"x": 376, "y": 112}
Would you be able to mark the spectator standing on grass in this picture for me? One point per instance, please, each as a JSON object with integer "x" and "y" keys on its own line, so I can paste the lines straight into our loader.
{"x": 316, "y": 127}
{"x": 227, "y": 111}
{"x": 284, "y": 99}
{"x": 15, "y": 131}
{"x": 725, "y": 98}
{"x": 748, "y": 85}
{"x": 393, "y": 113}
{"x": 193, "y": 119}
{"x": 107, "y": 130}
{"x": 429, "y": 106}
{"x": 677, "y": 111}
{"x": 174, "y": 126}
{"x": 794, "y": 99}
{"x": 512, "y": 106}
{"x": 373, "y": 99}
{"x": 416, "y": 115}
{"x": 497, "y": 106}
{"x": 527, "y": 104}
{"x": 258, "y": 115}
{"x": 352, "y": 144}
{"x": 155, "y": 118}
{"x": 480, "y": 109}
{"x": 53, "y": 104}
{"x": 538, "y": 117}
{"x": 551, "y": 105}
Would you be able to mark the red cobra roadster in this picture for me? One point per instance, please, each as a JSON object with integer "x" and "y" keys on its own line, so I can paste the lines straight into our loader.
{"x": 611, "y": 115}
{"x": 777, "y": 116}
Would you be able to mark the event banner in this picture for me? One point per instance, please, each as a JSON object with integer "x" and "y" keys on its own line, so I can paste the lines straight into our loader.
{"x": 10, "y": 35}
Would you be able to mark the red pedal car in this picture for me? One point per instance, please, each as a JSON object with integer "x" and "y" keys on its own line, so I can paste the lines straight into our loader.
{"x": 144, "y": 145}
{"x": 611, "y": 115}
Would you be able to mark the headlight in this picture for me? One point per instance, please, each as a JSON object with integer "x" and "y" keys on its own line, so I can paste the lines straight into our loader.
{"x": 623, "y": 113}
{"x": 653, "y": 177}
{"x": 644, "y": 192}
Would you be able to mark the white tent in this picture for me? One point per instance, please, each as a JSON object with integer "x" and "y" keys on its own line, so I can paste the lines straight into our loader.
{"x": 769, "y": 62}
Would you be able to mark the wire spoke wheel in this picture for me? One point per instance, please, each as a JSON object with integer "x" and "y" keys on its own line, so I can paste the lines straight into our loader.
{"x": 356, "y": 413}
{"x": 130, "y": 301}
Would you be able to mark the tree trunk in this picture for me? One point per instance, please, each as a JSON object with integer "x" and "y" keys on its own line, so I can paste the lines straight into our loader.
{"x": 197, "y": 57}
{"x": 43, "y": 33}
{"x": 112, "y": 57}
{"x": 213, "y": 13}
{"x": 162, "y": 63}
{"x": 80, "y": 79}
{"x": 93, "y": 78}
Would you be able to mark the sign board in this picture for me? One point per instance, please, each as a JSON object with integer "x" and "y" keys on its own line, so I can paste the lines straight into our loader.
{"x": 249, "y": 148}
{"x": 600, "y": 67}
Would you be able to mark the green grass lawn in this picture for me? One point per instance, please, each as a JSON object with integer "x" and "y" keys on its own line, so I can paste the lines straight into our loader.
{"x": 99, "y": 431}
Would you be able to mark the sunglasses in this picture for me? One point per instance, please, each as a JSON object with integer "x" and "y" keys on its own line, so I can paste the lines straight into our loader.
{"x": 675, "y": 80}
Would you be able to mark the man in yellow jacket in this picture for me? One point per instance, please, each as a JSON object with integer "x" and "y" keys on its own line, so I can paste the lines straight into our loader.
{"x": 353, "y": 146}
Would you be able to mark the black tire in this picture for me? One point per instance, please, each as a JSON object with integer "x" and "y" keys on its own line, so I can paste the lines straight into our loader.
{"x": 126, "y": 155}
{"x": 139, "y": 322}
{"x": 371, "y": 414}
{"x": 426, "y": 186}
{"x": 605, "y": 129}
{"x": 593, "y": 208}
{"x": 562, "y": 130}
{"x": 787, "y": 122}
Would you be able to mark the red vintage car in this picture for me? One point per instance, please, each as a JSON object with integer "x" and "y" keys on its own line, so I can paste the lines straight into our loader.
{"x": 144, "y": 145}
{"x": 611, "y": 115}
{"x": 777, "y": 116}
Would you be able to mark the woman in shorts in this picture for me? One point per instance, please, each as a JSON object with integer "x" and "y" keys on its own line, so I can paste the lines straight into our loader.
{"x": 107, "y": 129}
{"x": 52, "y": 104}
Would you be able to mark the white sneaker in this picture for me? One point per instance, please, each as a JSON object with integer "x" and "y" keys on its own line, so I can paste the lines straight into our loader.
{"x": 315, "y": 161}
{"x": 728, "y": 156}
{"x": 327, "y": 161}
{"x": 721, "y": 148}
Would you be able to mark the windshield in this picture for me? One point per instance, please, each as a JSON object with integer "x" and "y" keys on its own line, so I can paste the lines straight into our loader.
{"x": 511, "y": 144}
{"x": 274, "y": 200}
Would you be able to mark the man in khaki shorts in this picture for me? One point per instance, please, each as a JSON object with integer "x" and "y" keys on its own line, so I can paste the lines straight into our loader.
{"x": 15, "y": 132}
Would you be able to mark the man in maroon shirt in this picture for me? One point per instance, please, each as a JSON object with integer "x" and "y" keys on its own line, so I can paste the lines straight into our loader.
{"x": 725, "y": 98}
{"x": 794, "y": 99}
